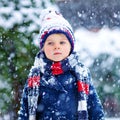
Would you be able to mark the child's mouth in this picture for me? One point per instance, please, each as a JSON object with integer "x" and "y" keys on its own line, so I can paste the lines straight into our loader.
{"x": 57, "y": 53}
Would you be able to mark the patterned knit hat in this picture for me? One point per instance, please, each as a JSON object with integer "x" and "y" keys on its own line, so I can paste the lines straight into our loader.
{"x": 51, "y": 22}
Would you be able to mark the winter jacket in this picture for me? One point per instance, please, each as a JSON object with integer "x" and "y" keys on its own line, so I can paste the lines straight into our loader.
{"x": 58, "y": 101}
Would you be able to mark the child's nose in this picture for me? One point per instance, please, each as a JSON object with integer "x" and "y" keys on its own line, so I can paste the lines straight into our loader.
{"x": 57, "y": 46}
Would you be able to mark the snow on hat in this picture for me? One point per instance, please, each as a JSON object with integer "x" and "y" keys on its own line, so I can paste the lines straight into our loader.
{"x": 51, "y": 22}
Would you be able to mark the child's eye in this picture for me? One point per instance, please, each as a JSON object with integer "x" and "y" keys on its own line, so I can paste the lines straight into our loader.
{"x": 62, "y": 42}
{"x": 50, "y": 43}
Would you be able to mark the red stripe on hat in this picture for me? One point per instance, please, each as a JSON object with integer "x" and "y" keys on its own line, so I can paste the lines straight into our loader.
{"x": 45, "y": 32}
{"x": 48, "y": 18}
{"x": 82, "y": 87}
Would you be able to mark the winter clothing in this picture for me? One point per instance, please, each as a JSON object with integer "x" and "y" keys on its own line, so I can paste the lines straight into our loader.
{"x": 51, "y": 22}
{"x": 60, "y": 91}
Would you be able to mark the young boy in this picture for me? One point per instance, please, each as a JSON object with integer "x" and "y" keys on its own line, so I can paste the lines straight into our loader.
{"x": 59, "y": 86}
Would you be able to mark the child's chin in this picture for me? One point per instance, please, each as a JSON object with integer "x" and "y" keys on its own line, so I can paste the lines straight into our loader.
{"x": 57, "y": 60}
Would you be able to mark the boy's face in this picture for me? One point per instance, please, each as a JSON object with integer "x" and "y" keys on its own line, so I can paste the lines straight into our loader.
{"x": 57, "y": 47}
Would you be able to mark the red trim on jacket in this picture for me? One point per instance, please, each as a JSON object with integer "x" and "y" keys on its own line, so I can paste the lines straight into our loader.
{"x": 56, "y": 68}
{"x": 83, "y": 87}
{"x": 34, "y": 81}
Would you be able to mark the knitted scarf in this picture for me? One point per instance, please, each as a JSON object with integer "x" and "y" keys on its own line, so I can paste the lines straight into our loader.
{"x": 47, "y": 69}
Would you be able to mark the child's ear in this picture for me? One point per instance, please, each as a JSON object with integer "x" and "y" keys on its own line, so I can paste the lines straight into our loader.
{"x": 42, "y": 49}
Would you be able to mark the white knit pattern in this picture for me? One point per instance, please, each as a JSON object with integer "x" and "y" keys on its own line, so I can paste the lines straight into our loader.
{"x": 51, "y": 19}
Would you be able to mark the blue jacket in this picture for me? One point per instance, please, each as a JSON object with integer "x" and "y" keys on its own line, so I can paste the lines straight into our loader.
{"x": 59, "y": 101}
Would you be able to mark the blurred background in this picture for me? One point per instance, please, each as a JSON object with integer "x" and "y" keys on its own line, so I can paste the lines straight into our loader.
{"x": 96, "y": 24}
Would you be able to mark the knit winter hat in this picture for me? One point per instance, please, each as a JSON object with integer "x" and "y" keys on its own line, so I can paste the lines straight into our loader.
{"x": 51, "y": 22}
